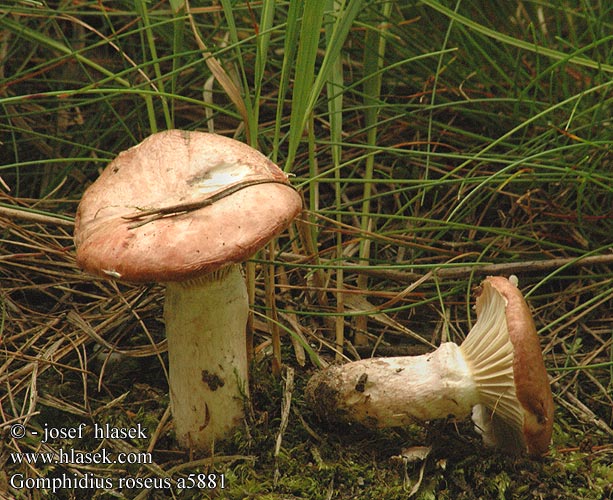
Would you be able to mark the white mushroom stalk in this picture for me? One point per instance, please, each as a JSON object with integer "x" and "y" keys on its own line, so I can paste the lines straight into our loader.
{"x": 207, "y": 363}
{"x": 396, "y": 391}
{"x": 483, "y": 373}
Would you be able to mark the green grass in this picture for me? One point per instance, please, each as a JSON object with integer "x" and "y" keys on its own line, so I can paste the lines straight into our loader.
{"x": 425, "y": 137}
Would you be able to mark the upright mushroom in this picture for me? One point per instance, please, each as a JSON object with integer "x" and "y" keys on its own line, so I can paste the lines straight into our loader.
{"x": 498, "y": 370}
{"x": 184, "y": 208}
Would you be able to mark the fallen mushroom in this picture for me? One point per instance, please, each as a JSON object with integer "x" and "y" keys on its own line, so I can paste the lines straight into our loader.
{"x": 497, "y": 373}
{"x": 183, "y": 208}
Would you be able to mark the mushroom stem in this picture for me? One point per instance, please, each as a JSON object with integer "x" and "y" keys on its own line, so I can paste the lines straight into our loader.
{"x": 205, "y": 326}
{"x": 397, "y": 391}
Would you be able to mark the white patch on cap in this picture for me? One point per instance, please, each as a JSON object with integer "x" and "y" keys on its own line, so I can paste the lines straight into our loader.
{"x": 220, "y": 176}
{"x": 111, "y": 273}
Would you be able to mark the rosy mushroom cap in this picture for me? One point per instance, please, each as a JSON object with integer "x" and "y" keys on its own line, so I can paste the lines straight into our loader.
{"x": 504, "y": 349}
{"x": 181, "y": 169}
{"x": 531, "y": 381}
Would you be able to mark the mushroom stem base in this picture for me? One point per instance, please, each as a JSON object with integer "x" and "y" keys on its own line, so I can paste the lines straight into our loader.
{"x": 207, "y": 357}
